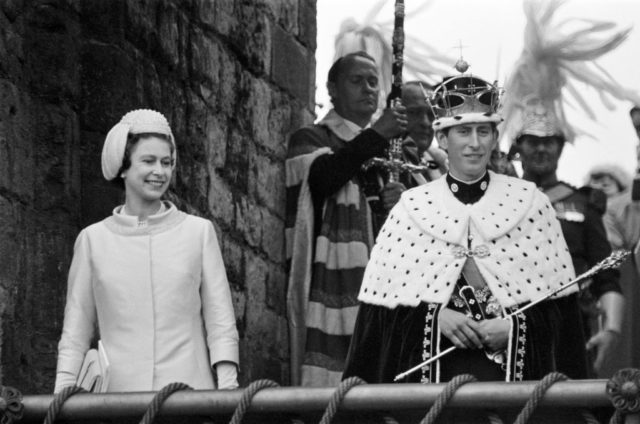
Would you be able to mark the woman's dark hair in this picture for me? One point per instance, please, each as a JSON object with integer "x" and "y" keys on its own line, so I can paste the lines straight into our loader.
{"x": 132, "y": 140}
{"x": 338, "y": 66}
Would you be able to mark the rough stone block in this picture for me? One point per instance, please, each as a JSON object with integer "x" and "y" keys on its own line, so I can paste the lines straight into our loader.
{"x": 236, "y": 170}
{"x": 104, "y": 20}
{"x": 227, "y": 93}
{"x": 256, "y": 109}
{"x": 285, "y": 13}
{"x": 12, "y": 9}
{"x": 168, "y": 34}
{"x": 220, "y": 201}
{"x": 232, "y": 254}
{"x": 248, "y": 220}
{"x": 290, "y": 65}
{"x": 256, "y": 275}
{"x": 216, "y": 130}
{"x": 10, "y": 250}
{"x": 279, "y": 124}
{"x": 11, "y": 51}
{"x": 109, "y": 91}
{"x": 151, "y": 87}
{"x": 273, "y": 236}
{"x": 52, "y": 53}
{"x": 140, "y": 19}
{"x": 276, "y": 293}
{"x": 216, "y": 15}
{"x": 308, "y": 26}
{"x": 205, "y": 57}
{"x": 252, "y": 39}
{"x": 267, "y": 182}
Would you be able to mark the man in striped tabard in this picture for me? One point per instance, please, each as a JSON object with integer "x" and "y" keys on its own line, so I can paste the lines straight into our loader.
{"x": 330, "y": 222}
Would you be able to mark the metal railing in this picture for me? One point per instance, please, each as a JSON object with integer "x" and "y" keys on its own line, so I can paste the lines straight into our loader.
{"x": 403, "y": 402}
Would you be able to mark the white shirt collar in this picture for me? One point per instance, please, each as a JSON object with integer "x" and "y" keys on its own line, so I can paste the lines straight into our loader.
{"x": 343, "y": 128}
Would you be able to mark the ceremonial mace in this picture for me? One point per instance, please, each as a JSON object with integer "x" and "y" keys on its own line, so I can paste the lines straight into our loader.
{"x": 394, "y": 163}
{"x": 614, "y": 260}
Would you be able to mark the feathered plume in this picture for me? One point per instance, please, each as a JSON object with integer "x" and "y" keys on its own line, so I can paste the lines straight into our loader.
{"x": 556, "y": 57}
{"x": 421, "y": 61}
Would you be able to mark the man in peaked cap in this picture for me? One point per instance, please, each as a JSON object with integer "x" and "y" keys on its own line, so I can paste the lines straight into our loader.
{"x": 540, "y": 143}
{"x": 456, "y": 257}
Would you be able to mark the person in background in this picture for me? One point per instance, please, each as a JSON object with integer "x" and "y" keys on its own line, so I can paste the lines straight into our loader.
{"x": 555, "y": 64}
{"x": 580, "y": 211}
{"x": 455, "y": 260}
{"x": 149, "y": 277}
{"x": 611, "y": 179}
{"x": 622, "y": 221}
{"x": 417, "y": 145}
{"x": 635, "y": 119}
{"x": 334, "y": 210}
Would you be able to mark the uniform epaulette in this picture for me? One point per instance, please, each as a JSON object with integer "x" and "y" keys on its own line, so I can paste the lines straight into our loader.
{"x": 595, "y": 198}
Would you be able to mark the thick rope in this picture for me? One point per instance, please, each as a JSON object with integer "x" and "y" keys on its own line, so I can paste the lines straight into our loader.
{"x": 589, "y": 418}
{"x": 494, "y": 418}
{"x": 617, "y": 417}
{"x": 537, "y": 395}
{"x": 58, "y": 400}
{"x": 388, "y": 419}
{"x": 159, "y": 398}
{"x": 247, "y": 397}
{"x": 337, "y": 397}
{"x": 445, "y": 395}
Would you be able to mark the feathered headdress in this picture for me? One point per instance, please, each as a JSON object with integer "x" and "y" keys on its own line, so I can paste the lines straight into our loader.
{"x": 557, "y": 57}
{"x": 421, "y": 61}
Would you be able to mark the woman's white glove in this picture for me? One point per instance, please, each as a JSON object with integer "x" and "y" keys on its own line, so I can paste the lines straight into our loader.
{"x": 227, "y": 373}
{"x": 64, "y": 379}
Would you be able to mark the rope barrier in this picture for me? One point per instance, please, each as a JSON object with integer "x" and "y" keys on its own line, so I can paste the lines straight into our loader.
{"x": 58, "y": 400}
{"x": 494, "y": 418}
{"x": 589, "y": 418}
{"x": 337, "y": 397}
{"x": 537, "y": 395}
{"x": 445, "y": 395}
{"x": 159, "y": 398}
{"x": 624, "y": 395}
{"x": 617, "y": 418}
{"x": 247, "y": 397}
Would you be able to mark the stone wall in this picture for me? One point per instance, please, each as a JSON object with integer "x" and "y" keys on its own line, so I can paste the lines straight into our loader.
{"x": 234, "y": 78}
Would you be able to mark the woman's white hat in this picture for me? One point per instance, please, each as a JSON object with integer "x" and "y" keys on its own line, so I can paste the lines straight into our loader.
{"x": 135, "y": 122}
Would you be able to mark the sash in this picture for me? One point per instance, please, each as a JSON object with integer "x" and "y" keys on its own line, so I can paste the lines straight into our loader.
{"x": 558, "y": 192}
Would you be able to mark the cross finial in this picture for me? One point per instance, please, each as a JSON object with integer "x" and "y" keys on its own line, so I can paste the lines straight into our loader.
{"x": 461, "y": 65}
{"x": 460, "y": 46}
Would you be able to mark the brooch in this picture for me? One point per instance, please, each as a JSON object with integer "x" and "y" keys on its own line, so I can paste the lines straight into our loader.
{"x": 481, "y": 251}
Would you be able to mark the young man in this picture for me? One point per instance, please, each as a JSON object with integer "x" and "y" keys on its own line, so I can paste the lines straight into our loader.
{"x": 456, "y": 259}
{"x": 330, "y": 223}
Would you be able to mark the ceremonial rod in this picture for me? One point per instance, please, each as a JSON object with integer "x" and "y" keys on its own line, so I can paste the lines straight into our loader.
{"x": 397, "y": 44}
{"x": 612, "y": 261}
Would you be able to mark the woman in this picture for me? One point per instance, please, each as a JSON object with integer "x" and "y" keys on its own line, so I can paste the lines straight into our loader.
{"x": 149, "y": 277}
